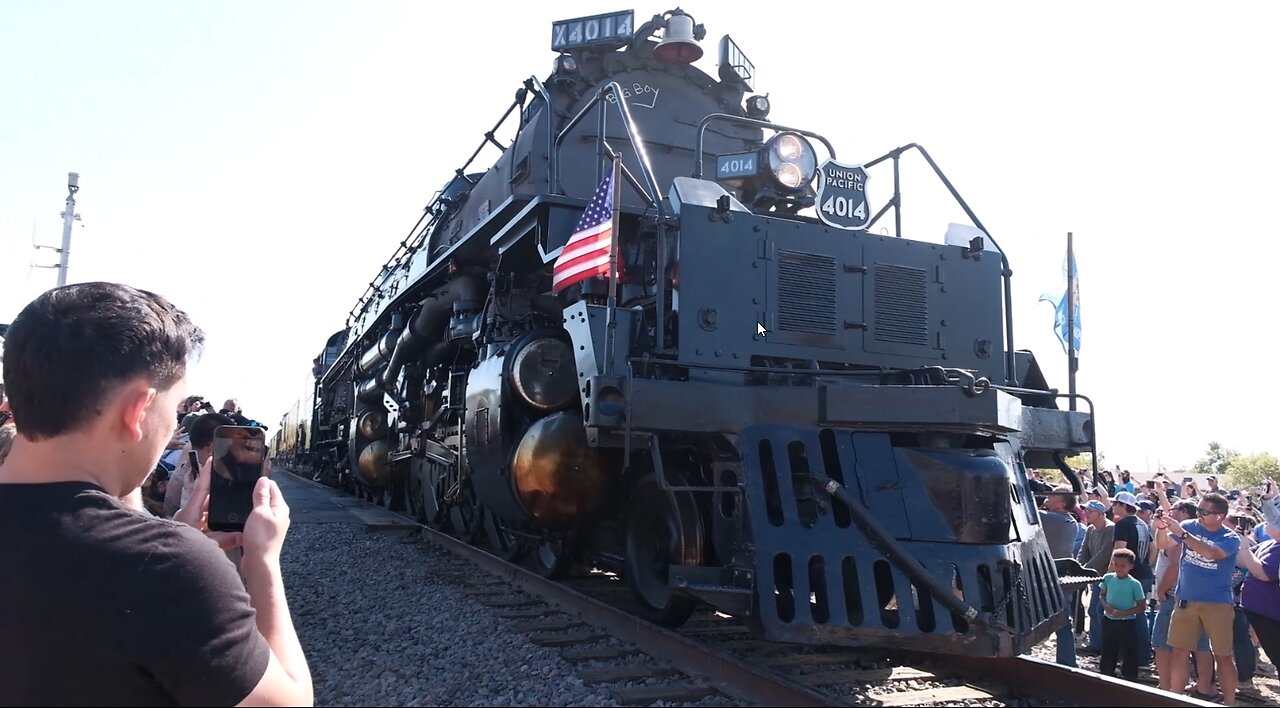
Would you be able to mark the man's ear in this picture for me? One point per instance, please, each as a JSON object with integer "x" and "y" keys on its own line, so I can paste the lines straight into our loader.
{"x": 134, "y": 407}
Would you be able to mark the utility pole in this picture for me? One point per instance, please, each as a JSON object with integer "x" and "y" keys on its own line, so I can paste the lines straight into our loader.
{"x": 68, "y": 216}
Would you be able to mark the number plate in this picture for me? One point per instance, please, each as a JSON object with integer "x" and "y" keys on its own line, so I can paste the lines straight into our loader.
{"x": 742, "y": 164}
{"x": 842, "y": 195}
{"x": 614, "y": 29}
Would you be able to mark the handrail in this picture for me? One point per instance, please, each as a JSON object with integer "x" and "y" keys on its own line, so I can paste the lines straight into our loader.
{"x": 637, "y": 142}
{"x": 1006, "y": 272}
{"x": 652, "y": 197}
{"x": 702, "y": 131}
{"x": 1093, "y": 429}
{"x": 533, "y": 84}
{"x": 419, "y": 233}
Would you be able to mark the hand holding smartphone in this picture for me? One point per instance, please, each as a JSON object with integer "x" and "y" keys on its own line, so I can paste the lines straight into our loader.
{"x": 239, "y": 457}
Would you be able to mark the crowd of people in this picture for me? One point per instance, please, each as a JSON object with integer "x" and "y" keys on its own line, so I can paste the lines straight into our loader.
{"x": 1189, "y": 578}
{"x": 92, "y": 376}
{"x": 169, "y": 486}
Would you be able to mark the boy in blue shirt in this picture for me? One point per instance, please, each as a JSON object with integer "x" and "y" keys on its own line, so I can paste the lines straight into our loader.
{"x": 1123, "y": 600}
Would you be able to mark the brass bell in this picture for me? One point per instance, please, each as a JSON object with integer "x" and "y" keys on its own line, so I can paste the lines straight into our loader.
{"x": 678, "y": 45}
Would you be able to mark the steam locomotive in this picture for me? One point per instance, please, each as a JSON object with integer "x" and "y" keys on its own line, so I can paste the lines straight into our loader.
{"x": 749, "y": 399}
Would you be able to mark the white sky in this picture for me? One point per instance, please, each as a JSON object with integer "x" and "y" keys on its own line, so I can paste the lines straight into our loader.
{"x": 257, "y": 162}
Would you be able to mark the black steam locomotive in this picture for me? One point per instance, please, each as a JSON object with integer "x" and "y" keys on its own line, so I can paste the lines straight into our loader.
{"x": 748, "y": 400}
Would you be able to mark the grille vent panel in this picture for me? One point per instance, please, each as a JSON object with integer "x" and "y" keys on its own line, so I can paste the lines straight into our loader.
{"x": 902, "y": 305}
{"x": 806, "y": 292}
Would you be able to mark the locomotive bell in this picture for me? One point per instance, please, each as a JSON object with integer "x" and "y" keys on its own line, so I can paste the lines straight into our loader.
{"x": 678, "y": 45}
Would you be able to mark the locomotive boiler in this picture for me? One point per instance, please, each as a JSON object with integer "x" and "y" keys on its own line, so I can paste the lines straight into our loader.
{"x": 751, "y": 400}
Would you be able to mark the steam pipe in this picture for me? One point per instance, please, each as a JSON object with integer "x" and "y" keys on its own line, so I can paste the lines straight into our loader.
{"x": 898, "y": 555}
{"x": 429, "y": 324}
{"x": 378, "y": 354}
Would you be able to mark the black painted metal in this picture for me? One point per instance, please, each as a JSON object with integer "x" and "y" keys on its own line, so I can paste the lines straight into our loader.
{"x": 746, "y": 352}
{"x": 818, "y": 577}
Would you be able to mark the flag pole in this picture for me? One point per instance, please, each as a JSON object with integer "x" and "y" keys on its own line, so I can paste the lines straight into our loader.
{"x": 615, "y": 237}
{"x": 1073, "y": 362}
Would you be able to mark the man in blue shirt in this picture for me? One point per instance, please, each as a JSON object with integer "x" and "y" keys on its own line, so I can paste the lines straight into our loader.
{"x": 1205, "y": 603}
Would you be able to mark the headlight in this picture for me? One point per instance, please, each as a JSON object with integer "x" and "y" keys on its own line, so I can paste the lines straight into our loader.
{"x": 791, "y": 161}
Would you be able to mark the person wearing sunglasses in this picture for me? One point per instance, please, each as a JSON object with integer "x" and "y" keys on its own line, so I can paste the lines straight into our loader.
{"x": 1208, "y": 551}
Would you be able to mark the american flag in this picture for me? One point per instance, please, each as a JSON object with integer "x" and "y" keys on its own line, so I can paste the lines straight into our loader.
{"x": 587, "y": 252}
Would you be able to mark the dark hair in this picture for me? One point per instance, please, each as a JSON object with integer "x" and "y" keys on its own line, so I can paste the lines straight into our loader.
{"x": 1219, "y": 502}
{"x": 68, "y": 347}
{"x": 1187, "y": 507}
{"x": 202, "y": 429}
{"x": 1126, "y": 554}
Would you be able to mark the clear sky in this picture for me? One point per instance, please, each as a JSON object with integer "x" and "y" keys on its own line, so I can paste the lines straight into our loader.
{"x": 256, "y": 162}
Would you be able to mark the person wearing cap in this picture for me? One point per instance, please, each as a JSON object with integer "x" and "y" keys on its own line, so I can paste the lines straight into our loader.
{"x": 1131, "y": 533}
{"x": 1146, "y": 508}
{"x": 1213, "y": 485}
{"x": 1095, "y": 554}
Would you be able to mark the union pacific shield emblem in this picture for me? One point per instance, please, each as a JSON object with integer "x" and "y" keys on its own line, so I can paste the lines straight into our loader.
{"x": 842, "y": 195}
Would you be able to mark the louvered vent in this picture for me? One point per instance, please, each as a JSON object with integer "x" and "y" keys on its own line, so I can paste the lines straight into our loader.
{"x": 902, "y": 305}
{"x": 806, "y": 292}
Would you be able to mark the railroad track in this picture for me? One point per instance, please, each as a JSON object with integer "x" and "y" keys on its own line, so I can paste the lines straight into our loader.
{"x": 586, "y": 619}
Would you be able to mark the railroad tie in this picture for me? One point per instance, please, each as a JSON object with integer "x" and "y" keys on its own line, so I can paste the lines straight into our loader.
{"x": 648, "y": 695}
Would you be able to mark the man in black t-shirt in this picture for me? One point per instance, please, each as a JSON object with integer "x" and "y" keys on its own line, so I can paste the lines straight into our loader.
{"x": 94, "y": 373}
{"x": 1133, "y": 534}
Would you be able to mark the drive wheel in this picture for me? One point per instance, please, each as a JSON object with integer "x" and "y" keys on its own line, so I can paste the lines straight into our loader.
{"x": 551, "y": 556}
{"x": 502, "y": 543}
{"x": 663, "y": 529}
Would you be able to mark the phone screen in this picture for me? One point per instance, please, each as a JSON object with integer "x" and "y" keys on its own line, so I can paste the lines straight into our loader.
{"x": 238, "y": 457}
{"x": 194, "y": 461}
{"x": 1186, "y": 480}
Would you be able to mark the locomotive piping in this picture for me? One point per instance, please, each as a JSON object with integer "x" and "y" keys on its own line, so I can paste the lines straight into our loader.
{"x": 897, "y": 554}
{"x": 429, "y": 324}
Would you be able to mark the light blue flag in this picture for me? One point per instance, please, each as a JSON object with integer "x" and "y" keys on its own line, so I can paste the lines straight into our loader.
{"x": 1071, "y": 288}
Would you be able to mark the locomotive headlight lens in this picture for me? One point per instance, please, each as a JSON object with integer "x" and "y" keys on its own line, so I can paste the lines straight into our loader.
{"x": 791, "y": 161}
{"x": 789, "y": 175}
{"x": 789, "y": 146}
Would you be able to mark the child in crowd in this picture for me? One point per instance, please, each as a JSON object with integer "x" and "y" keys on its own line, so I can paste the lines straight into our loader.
{"x": 1122, "y": 601}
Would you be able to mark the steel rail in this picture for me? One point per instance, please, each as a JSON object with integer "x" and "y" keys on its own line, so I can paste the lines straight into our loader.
{"x": 736, "y": 677}
{"x": 728, "y": 674}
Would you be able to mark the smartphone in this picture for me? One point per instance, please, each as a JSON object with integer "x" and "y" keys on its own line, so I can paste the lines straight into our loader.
{"x": 194, "y": 461}
{"x": 1186, "y": 480}
{"x": 239, "y": 455}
